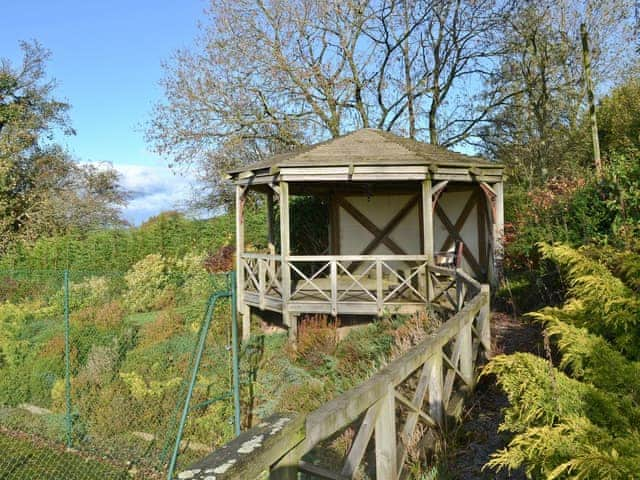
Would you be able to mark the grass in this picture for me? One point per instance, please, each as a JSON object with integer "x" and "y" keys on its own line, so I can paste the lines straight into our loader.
{"x": 140, "y": 318}
{"x": 23, "y": 459}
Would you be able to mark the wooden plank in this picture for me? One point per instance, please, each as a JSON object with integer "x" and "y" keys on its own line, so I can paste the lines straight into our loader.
{"x": 450, "y": 272}
{"x": 354, "y": 258}
{"x": 290, "y": 319}
{"x": 459, "y": 293}
{"x": 409, "y": 404}
{"x": 436, "y": 408}
{"x": 385, "y": 437}
{"x": 253, "y": 452}
{"x": 360, "y": 442}
{"x": 265, "y": 256}
{"x": 285, "y": 270}
{"x": 271, "y": 243}
{"x": 465, "y": 177}
{"x": 239, "y": 244}
{"x": 333, "y": 275}
{"x": 466, "y": 354}
{"x": 482, "y": 231}
{"x": 357, "y": 177}
{"x": 379, "y": 291}
{"x": 243, "y": 309}
{"x": 498, "y": 233}
{"x": 262, "y": 281}
{"x": 412, "y": 417}
{"x": 450, "y": 376}
{"x": 469, "y": 280}
{"x": 427, "y": 211}
{"x": 484, "y": 321}
{"x": 245, "y": 314}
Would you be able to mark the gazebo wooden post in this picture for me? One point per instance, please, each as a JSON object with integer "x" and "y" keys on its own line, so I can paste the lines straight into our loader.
{"x": 243, "y": 309}
{"x": 287, "y": 318}
{"x": 427, "y": 233}
{"x": 498, "y": 234}
{"x": 270, "y": 225}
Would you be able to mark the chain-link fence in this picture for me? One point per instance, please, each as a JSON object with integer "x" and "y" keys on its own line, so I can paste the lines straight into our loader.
{"x": 95, "y": 369}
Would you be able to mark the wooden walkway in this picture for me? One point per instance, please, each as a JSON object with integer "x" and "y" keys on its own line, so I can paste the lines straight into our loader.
{"x": 423, "y": 386}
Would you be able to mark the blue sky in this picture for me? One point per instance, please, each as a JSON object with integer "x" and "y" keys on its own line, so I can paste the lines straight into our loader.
{"x": 106, "y": 57}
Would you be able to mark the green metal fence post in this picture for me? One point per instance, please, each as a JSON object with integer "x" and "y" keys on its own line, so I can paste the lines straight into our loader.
{"x": 235, "y": 354}
{"x": 67, "y": 362}
{"x": 194, "y": 378}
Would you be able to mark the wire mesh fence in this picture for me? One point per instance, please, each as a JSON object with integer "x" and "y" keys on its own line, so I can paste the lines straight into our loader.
{"x": 94, "y": 370}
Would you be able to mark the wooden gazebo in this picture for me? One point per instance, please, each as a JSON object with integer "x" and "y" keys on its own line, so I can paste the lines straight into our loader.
{"x": 398, "y": 208}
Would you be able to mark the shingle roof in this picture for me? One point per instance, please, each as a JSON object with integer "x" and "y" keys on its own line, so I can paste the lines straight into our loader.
{"x": 368, "y": 146}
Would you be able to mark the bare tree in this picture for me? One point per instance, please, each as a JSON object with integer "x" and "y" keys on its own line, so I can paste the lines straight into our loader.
{"x": 539, "y": 131}
{"x": 266, "y": 75}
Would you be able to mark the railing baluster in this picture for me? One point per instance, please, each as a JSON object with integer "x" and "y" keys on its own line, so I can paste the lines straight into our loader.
{"x": 466, "y": 352}
{"x": 334, "y": 287}
{"x": 261, "y": 281}
{"x": 379, "y": 289}
{"x": 436, "y": 387}
{"x": 359, "y": 446}
{"x": 459, "y": 293}
{"x": 385, "y": 437}
{"x": 484, "y": 321}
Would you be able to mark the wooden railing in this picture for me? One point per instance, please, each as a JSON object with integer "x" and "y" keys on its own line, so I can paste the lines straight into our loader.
{"x": 424, "y": 385}
{"x": 336, "y": 284}
{"x": 262, "y": 275}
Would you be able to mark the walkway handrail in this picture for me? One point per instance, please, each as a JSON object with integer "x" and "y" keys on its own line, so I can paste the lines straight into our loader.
{"x": 278, "y": 444}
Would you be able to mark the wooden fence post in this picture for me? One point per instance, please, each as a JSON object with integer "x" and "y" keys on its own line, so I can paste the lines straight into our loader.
{"x": 484, "y": 321}
{"x": 466, "y": 352}
{"x": 436, "y": 387}
{"x": 385, "y": 437}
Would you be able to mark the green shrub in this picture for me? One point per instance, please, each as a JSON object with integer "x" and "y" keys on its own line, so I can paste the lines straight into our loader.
{"x": 42, "y": 374}
{"x": 89, "y": 292}
{"x": 580, "y": 420}
{"x": 14, "y": 390}
{"x": 147, "y": 282}
{"x": 13, "y": 344}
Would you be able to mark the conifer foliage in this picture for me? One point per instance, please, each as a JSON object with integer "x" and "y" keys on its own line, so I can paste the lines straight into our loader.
{"x": 581, "y": 418}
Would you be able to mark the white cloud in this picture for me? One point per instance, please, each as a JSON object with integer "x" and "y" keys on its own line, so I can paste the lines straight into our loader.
{"x": 154, "y": 188}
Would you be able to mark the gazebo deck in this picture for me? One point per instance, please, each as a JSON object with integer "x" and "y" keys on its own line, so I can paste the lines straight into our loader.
{"x": 346, "y": 284}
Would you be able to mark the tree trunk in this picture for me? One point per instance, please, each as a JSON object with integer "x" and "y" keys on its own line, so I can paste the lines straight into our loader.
{"x": 586, "y": 61}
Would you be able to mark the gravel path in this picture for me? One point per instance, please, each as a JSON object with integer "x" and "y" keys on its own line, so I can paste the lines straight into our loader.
{"x": 478, "y": 436}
